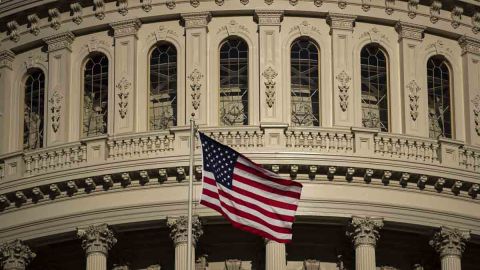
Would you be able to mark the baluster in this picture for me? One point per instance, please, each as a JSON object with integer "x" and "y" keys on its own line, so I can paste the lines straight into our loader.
{"x": 171, "y": 139}
{"x": 28, "y": 165}
{"x": 110, "y": 149}
{"x": 411, "y": 151}
{"x": 36, "y": 163}
{"x": 403, "y": 149}
{"x": 435, "y": 152}
{"x": 323, "y": 141}
{"x": 76, "y": 155}
{"x": 288, "y": 135}
{"x": 376, "y": 142}
{"x": 44, "y": 158}
{"x": 420, "y": 153}
{"x": 476, "y": 161}
{"x": 428, "y": 151}
{"x": 381, "y": 146}
{"x": 68, "y": 156}
{"x": 238, "y": 139}
{"x": 60, "y": 158}
{"x": 161, "y": 143}
{"x": 303, "y": 144}
{"x": 469, "y": 162}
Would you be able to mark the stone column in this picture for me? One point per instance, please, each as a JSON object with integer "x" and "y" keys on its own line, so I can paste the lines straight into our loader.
{"x": 196, "y": 28}
{"x": 15, "y": 255}
{"x": 364, "y": 232}
{"x": 450, "y": 244}
{"x": 410, "y": 37}
{"x": 275, "y": 256}
{"x": 9, "y": 117}
{"x": 471, "y": 86}
{"x": 97, "y": 241}
{"x": 341, "y": 29}
{"x": 58, "y": 99}
{"x": 125, "y": 34}
{"x": 178, "y": 232}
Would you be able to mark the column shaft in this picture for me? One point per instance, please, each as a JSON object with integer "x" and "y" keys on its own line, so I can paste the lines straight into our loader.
{"x": 365, "y": 257}
{"x": 275, "y": 256}
{"x": 96, "y": 261}
{"x": 451, "y": 262}
{"x": 181, "y": 256}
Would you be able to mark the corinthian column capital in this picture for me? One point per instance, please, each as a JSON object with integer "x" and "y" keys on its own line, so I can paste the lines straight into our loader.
{"x": 179, "y": 229}
{"x": 15, "y": 255}
{"x": 448, "y": 241}
{"x": 97, "y": 239}
{"x": 365, "y": 230}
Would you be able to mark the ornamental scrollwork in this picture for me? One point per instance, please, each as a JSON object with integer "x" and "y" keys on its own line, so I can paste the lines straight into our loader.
{"x": 476, "y": 113}
{"x": 447, "y": 241}
{"x": 195, "y": 77}
{"x": 244, "y": 2}
{"x": 123, "y": 91}
{"x": 269, "y": 74}
{"x": 414, "y": 96}
{"x": 233, "y": 28}
{"x": 293, "y": 2}
{"x": 219, "y": 2}
{"x": 55, "y": 105}
{"x": 412, "y": 8}
{"x": 15, "y": 255}
{"x": 13, "y": 34}
{"x": 366, "y": 5}
{"x": 147, "y": 5}
{"x": 318, "y": 3}
{"x": 268, "y": 2}
{"x": 77, "y": 12}
{"x": 435, "y": 10}
{"x": 55, "y": 21}
{"x": 476, "y": 22}
{"x": 99, "y": 8}
{"x": 171, "y": 4}
{"x": 122, "y": 7}
{"x": 305, "y": 29}
{"x": 365, "y": 230}
{"x": 389, "y": 6}
{"x": 195, "y": 3}
{"x": 456, "y": 13}
{"x": 343, "y": 85}
{"x": 33, "y": 22}
{"x": 97, "y": 239}
{"x": 179, "y": 229}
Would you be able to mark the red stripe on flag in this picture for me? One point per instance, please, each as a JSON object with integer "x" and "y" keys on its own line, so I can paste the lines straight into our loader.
{"x": 258, "y": 172}
{"x": 270, "y": 189}
{"x": 271, "y": 202}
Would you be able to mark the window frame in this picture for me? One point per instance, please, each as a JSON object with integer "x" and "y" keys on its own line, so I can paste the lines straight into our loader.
{"x": 23, "y": 81}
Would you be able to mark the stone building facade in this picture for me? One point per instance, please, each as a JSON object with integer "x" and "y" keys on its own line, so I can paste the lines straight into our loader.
{"x": 374, "y": 105}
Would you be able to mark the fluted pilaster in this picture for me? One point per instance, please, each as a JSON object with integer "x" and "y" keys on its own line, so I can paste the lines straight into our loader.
{"x": 364, "y": 232}
{"x": 450, "y": 244}
{"x": 275, "y": 256}
{"x": 97, "y": 241}
{"x": 15, "y": 255}
{"x": 179, "y": 234}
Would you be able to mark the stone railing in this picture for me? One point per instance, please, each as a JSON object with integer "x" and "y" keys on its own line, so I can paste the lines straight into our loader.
{"x": 406, "y": 148}
{"x": 238, "y": 137}
{"x": 56, "y": 158}
{"x": 320, "y": 140}
{"x": 469, "y": 158}
{"x": 140, "y": 145}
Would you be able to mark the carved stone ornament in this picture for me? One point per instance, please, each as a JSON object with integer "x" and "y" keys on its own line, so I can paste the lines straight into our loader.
{"x": 409, "y": 31}
{"x": 413, "y": 94}
{"x": 15, "y": 255}
{"x": 97, "y": 239}
{"x": 413, "y": 8}
{"x": 365, "y": 230}
{"x": 161, "y": 34}
{"x": 340, "y": 21}
{"x": 269, "y": 17}
{"x": 318, "y": 3}
{"x": 469, "y": 45}
{"x": 456, "y": 13}
{"x": 476, "y": 22}
{"x": 343, "y": 85}
{"x": 305, "y": 29}
{"x": 375, "y": 35}
{"x": 389, "y": 6}
{"x": 13, "y": 34}
{"x": 76, "y": 12}
{"x": 447, "y": 241}
{"x": 179, "y": 229}
{"x": 342, "y": 4}
{"x": 99, "y": 9}
{"x": 147, "y": 5}
{"x": 366, "y": 5}
{"x": 197, "y": 19}
{"x": 440, "y": 48}
{"x": 268, "y": 2}
{"x": 233, "y": 28}
{"x": 244, "y": 2}
{"x": 476, "y": 113}
{"x": 233, "y": 264}
{"x": 269, "y": 74}
{"x": 311, "y": 265}
{"x": 6, "y": 59}
{"x": 293, "y": 2}
{"x": 94, "y": 43}
{"x": 59, "y": 41}
{"x": 123, "y": 91}
{"x": 33, "y": 24}
{"x": 195, "y": 77}
{"x": 55, "y": 106}
{"x": 195, "y": 3}
{"x": 219, "y": 2}
{"x": 54, "y": 17}
{"x": 435, "y": 8}
{"x": 126, "y": 28}
{"x": 122, "y": 7}
{"x": 170, "y": 4}
{"x": 34, "y": 60}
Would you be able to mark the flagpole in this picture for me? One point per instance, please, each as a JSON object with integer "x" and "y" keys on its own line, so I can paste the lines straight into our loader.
{"x": 190, "y": 192}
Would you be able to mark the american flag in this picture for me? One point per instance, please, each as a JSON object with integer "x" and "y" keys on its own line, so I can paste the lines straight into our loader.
{"x": 250, "y": 197}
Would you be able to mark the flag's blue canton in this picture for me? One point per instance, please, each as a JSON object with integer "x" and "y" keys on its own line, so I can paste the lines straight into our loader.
{"x": 219, "y": 160}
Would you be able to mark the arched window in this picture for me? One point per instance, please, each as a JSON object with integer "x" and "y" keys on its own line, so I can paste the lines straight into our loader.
{"x": 95, "y": 95}
{"x": 163, "y": 87}
{"x": 234, "y": 82}
{"x": 439, "y": 104}
{"x": 33, "y": 119}
{"x": 304, "y": 83}
{"x": 374, "y": 78}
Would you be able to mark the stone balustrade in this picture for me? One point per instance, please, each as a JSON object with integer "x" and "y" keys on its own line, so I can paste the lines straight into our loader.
{"x": 407, "y": 148}
{"x": 140, "y": 145}
{"x": 239, "y": 137}
{"x": 320, "y": 140}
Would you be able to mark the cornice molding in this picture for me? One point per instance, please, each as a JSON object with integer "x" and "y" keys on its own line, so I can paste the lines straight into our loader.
{"x": 126, "y": 28}
{"x": 409, "y": 31}
{"x": 469, "y": 45}
{"x": 269, "y": 17}
{"x": 338, "y": 21}
{"x": 196, "y": 19}
{"x": 6, "y": 59}
{"x": 60, "y": 41}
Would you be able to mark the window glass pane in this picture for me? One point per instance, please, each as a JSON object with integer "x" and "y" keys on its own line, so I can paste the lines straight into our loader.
{"x": 304, "y": 83}
{"x": 33, "y": 121}
{"x": 95, "y": 95}
{"x": 234, "y": 82}
{"x": 163, "y": 87}
{"x": 439, "y": 111}
{"x": 374, "y": 87}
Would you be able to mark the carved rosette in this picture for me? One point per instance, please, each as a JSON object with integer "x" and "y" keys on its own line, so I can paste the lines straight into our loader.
{"x": 15, "y": 255}
{"x": 179, "y": 229}
{"x": 413, "y": 90}
{"x": 476, "y": 113}
{"x": 343, "y": 86}
{"x": 269, "y": 74}
{"x": 55, "y": 106}
{"x": 195, "y": 77}
{"x": 97, "y": 239}
{"x": 450, "y": 242}
{"x": 123, "y": 91}
{"x": 365, "y": 230}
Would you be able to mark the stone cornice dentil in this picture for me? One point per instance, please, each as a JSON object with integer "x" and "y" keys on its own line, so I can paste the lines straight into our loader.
{"x": 179, "y": 229}
{"x": 365, "y": 230}
{"x": 60, "y": 41}
{"x": 196, "y": 19}
{"x": 341, "y": 21}
{"x": 15, "y": 255}
{"x": 450, "y": 241}
{"x": 97, "y": 239}
{"x": 126, "y": 27}
{"x": 469, "y": 45}
{"x": 269, "y": 17}
{"x": 409, "y": 31}
{"x": 6, "y": 59}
